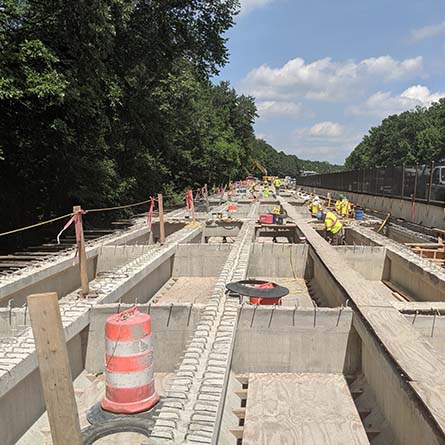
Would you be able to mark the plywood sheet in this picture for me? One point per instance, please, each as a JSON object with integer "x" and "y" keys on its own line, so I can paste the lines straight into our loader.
{"x": 301, "y": 409}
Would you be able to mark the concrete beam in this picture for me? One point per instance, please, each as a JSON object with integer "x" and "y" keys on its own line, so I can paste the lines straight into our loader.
{"x": 399, "y": 343}
{"x": 172, "y": 326}
{"x": 290, "y": 340}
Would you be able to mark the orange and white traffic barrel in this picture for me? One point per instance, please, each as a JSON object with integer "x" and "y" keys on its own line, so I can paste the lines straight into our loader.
{"x": 130, "y": 384}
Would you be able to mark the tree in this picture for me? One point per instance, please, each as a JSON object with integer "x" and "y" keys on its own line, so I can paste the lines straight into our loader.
{"x": 82, "y": 119}
{"x": 413, "y": 136}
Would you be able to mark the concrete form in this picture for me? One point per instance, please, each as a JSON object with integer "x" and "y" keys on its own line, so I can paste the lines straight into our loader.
{"x": 344, "y": 359}
{"x": 423, "y": 213}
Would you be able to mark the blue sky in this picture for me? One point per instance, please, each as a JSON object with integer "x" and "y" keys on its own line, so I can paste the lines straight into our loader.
{"x": 324, "y": 71}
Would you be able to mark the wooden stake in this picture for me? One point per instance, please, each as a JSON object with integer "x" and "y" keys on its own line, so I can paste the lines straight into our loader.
{"x": 55, "y": 371}
{"x": 206, "y": 191}
{"x": 161, "y": 219}
{"x": 193, "y": 210}
{"x": 82, "y": 254}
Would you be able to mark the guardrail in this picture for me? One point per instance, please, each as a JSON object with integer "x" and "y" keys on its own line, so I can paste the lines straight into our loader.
{"x": 420, "y": 182}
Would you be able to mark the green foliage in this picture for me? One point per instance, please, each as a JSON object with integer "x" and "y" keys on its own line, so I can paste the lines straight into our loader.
{"x": 412, "y": 136}
{"x": 108, "y": 101}
{"x": 281, "y": 164}
{"x": 321, "y": 166}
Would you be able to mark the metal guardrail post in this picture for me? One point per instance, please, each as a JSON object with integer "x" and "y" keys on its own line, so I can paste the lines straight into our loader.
{"x": 415, "y": 181}
{"x": 430, "y": 185}
{"x": 402, "y": 194}
{"x": 363, "y": 180}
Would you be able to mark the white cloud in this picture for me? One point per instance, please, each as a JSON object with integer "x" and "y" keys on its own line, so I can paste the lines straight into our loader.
{"x": 427, "y": 32}
{"x": 326, "y": 140}
{"x": 326, "y": 79}
{"x": 326, "y": 129}
{"x": 383, "y": 104}
{"x": 271, "y": 108}
{"x": 248, "y": 6}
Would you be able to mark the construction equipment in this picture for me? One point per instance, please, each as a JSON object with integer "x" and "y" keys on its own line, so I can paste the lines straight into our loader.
{"x": 259, "y": 166}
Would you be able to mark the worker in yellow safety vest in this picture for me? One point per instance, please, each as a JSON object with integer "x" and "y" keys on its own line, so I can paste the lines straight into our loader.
{"x": 338, "y": 204}
{"x": 345, "y": 207}
{"x": 277, "y": 184}
{"x": 252, "y": 190}
{"x": 266, "y": 191}
{"x": 333, "y": 227}
{"x": 315, "y": 206}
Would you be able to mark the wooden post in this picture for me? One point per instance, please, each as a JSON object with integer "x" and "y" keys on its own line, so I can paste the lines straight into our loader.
{"x": 81, "y": 252}
{"x": 54, "y": 367}
{"x": 193, "y": 209}
{"x": 161, "y": 219}
{"x": 206, "y": 196}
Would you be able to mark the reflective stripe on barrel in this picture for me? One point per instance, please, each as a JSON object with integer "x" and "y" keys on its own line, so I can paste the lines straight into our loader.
{"x": 129, "y": 363}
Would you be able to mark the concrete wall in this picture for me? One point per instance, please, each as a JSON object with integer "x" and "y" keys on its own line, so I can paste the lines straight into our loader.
{"x": 24, "y": 404}
{"x": 288, "y": 340}
{"x": 113, "y": 257}
{"x": 172, "y": 326}
{"x": 424, "y": 214}
{"x": 323, "y": 285}
{"x": 13, "y": 321}
{"x": 200, "y": 260}
{"x": 366, "y": 260}
{"x": 218, "y": 228}
{"x": 417, "y": 282}
{"x": 146, "y": 288}
{"x": 266, "y": 206}
{"x": 403, "y": 412}
{"x": 277, "y": 260}
{"x": 354, "y": 238}
{"x": 401, "y": 236}
{"x": 64, "y": 280}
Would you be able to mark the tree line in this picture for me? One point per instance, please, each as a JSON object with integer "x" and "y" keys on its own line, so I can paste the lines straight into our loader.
{"x": 413, "y": 136}
{"x": 107, "y": 102}
{"x": 279, "y": 163}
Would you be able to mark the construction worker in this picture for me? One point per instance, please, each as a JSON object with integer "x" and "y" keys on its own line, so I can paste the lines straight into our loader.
{"x": 277, "y": 184}
{"x": 333, "y": 227}
{"x": 252, "y": 190}
{"x": 276, "y": 210}
{"x": 315, "y": 206}
{"x": 338, "y": 204}
{"x": 266, "y": 191}
{"x": 345, "y": 207}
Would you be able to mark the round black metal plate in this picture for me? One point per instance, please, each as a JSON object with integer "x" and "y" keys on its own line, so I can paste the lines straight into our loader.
{"x": 247, "y": 288}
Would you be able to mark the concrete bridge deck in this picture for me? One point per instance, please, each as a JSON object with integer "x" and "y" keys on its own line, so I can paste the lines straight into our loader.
{"x": 343, "y": 334}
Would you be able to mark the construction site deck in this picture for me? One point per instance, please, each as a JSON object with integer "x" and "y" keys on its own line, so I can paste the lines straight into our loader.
{"x": 355, "y": 354}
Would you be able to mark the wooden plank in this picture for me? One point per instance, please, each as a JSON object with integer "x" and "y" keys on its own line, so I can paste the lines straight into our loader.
{"x": 18, "y": 257}
{"x": 4, "y": 264}
{"x": 397, "y": 290}
{"x": 161, "y": 219}
{"x": 438, "y": 245}
{"x": 309, "y": 409}
{"x": 420, "y": 306}
{"x": 55, "y": 371}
